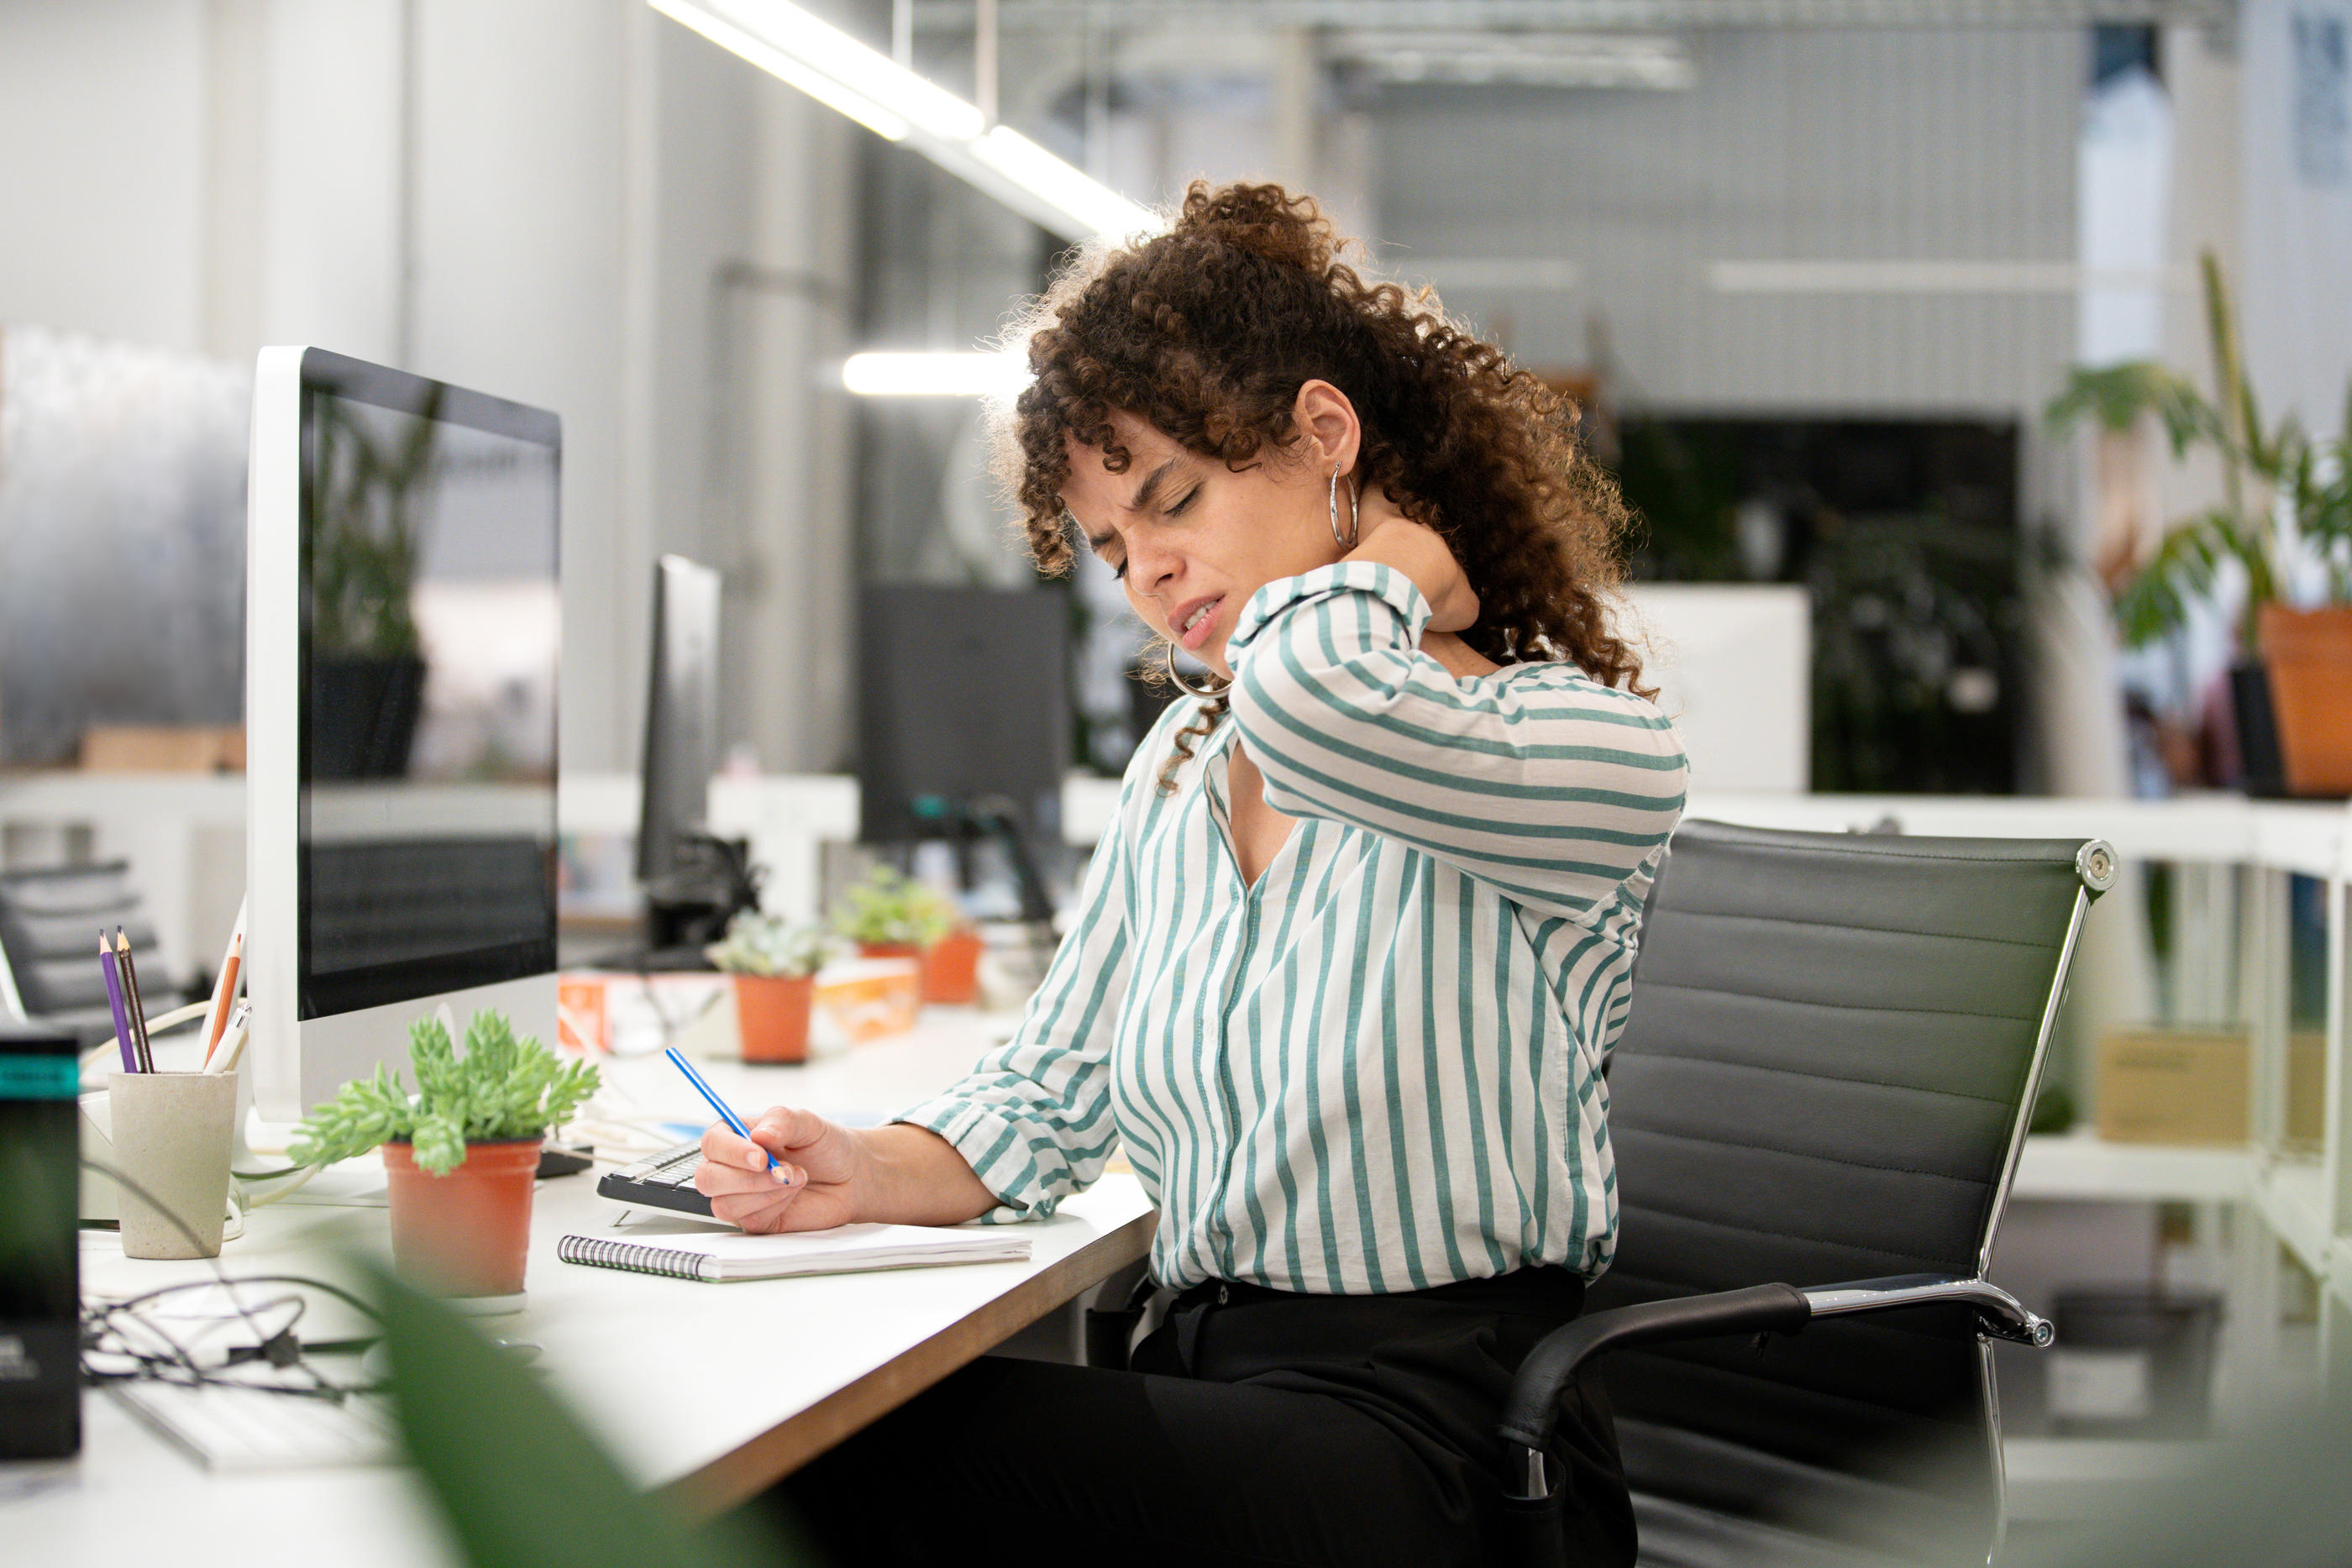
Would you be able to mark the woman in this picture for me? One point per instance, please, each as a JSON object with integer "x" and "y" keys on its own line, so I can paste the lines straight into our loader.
{"x": 1345, "y": 969}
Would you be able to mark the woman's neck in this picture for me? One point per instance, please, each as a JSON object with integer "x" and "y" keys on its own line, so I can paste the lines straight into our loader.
{"x": 1463, "y": 662}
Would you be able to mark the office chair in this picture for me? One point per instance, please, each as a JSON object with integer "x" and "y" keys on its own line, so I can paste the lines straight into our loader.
{"x": 49, "y": 922}
{"x": 1817, "y": 1108}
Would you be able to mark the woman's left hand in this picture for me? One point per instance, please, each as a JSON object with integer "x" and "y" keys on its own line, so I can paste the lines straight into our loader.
{"x": 1387, "y": 536}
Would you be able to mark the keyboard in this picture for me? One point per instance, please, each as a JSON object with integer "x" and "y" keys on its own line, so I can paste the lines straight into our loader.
{"x": 664, "y": 1180}
{"x": 229, "y": 1428}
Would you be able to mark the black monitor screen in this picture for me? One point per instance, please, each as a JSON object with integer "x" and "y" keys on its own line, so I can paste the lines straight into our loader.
{"x": 964, "y": 695}
{"x": 431, "y": 629}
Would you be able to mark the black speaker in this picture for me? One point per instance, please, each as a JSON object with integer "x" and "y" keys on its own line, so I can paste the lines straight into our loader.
{"x": 40, "y": 1252}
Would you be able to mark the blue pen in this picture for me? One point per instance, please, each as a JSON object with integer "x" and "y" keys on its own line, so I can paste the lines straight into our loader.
{"x": 717, "y": 1104}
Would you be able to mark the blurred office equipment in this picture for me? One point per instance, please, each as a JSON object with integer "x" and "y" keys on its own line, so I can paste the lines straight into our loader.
{"x": 403, "y": 624}
{"x": 1908, "y": 536}
{"x": 121, "y": 540}
{"x": 694, "y": 881}
{"x": 1732, "y": 663}
{"x": 47, "y": 970}
{"x": 964, "y": 720}
{"x": 1817, "y": 1108}
{"x": 40, "y": 1248}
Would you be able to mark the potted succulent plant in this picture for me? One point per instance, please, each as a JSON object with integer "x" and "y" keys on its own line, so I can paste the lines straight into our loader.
{"x": 2286, "y": 499}
{"x": 774, "y": 965}
{"x": 461, "y": 1154}
{"x": 890, "y": 916}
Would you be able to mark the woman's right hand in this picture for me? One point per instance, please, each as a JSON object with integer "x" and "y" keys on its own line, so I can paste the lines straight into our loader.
{"x": 815, "y": 1186}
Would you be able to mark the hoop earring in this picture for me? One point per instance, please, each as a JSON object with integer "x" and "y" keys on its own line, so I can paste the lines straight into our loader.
{"x": 1195, "y": 693}
{"x": 1355, "y": 510}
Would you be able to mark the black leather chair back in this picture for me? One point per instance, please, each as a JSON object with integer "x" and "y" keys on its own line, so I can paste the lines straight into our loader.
{"x": 1832, "y": 1040}
{"x": 49, "y": 922}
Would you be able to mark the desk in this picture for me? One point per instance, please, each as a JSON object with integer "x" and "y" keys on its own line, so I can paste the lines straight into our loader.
{"x": 708, "y": 1392}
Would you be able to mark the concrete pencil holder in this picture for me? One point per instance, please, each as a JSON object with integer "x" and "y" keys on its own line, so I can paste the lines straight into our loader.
{"x": 171, "y": 1133}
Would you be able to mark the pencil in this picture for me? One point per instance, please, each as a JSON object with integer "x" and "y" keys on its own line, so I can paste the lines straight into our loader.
{"x": 130, "y": 1000}
{"x": 114, "y": 1000}
{"x": 225, "y": 989}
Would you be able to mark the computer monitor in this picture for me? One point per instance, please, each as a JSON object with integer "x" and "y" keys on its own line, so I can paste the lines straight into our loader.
{"x": 693, "y": 882}
{"x": 964, "y": 718}
{"x": 403, "y": 627}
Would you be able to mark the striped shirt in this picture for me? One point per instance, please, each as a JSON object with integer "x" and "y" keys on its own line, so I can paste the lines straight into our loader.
{"x": 1378, "y": 1068}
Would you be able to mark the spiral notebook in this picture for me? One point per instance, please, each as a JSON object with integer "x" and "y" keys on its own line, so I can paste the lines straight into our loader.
{"x": 720, "y": 1256}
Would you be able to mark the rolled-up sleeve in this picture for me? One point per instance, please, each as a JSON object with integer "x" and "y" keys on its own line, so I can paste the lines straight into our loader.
{"x": 1537, "y": 780}
{"x": 1033, "y": 1118}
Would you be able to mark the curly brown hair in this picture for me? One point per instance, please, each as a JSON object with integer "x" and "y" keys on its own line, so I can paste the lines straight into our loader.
{"x": 1207, "y": 330}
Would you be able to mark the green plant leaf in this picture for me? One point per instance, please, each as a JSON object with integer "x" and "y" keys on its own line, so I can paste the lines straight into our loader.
{"x": 887, "y": 907}
{"x": 520, "y": 1481}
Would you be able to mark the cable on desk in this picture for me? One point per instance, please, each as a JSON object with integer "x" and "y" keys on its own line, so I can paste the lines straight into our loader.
{"x": 281, "y": 1349}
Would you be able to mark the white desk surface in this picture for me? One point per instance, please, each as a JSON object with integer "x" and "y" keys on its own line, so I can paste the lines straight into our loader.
{"x": 707, "y": 1391}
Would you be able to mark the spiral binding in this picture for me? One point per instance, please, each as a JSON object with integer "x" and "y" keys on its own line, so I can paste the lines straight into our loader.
{"x": 631, "y": 1255}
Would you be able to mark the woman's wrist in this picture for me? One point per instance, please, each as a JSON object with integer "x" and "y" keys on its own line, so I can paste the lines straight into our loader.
{"x": 910, "y": 1175}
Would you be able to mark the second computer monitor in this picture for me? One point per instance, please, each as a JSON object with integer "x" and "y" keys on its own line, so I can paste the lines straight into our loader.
{"x": 681, "y": 719}
{"x": 964, "y": 698}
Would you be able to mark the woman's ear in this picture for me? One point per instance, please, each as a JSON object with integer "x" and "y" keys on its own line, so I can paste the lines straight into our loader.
{"x": 1329, "y": 432}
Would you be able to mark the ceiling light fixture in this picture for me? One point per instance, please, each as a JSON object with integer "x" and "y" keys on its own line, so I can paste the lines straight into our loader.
{"x": 805, "y": 51}
{"x": 971, "y": 374}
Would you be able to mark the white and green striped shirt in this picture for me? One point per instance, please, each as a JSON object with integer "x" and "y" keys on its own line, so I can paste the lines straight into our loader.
{"x": 1378, "y": 1069}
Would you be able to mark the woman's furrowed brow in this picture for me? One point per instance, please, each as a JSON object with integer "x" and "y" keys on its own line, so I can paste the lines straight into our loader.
{"x": 1148, "y": 490}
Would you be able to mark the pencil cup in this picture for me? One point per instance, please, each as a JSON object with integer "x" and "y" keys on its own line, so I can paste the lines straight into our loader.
{"x": 171, "y": 1137}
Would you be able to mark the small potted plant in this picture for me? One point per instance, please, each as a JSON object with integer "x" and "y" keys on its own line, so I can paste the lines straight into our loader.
{"x": 461, "y": 1154}
{"x": 774, "y": 965}
{"x": 893, "y": 916}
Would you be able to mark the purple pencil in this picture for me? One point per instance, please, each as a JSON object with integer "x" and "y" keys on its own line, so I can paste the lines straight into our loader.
{"x": 114, "y": 1000}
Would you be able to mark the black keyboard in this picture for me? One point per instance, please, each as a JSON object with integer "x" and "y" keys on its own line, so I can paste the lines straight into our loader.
{"x": 664, "y": 1180}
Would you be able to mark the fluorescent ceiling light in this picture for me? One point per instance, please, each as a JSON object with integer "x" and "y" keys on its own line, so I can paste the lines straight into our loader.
{"x": 1520, "y": 60}
{"x": 1930, "y": 278}
{"x": 806, "y": 52}
{"x": 1030, "y": 166}
{"x": 934, "y": 375}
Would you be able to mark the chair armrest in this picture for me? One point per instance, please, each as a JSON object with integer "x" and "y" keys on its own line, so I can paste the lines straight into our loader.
{"x": 1999, "y": 1313}
{"x": 1533, "y": 1408}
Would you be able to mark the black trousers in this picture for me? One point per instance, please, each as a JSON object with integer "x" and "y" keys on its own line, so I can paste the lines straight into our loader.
{"x": 1255, "y": 1428}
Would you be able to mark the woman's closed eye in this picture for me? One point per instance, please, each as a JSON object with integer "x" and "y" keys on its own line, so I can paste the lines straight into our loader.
{"x": 1101, "y": 547}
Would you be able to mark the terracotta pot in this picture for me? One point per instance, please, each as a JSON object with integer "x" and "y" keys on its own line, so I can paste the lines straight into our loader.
{"x": 2308, "y": 653}
{"x": 466, "y": 1233}
{"x": 952, "y": 968}
{"x": 771, "y": 1015}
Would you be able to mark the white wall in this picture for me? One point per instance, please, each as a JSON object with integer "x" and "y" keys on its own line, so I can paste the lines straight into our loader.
{"x": 1799, "y": 145}
{"x": 2295, "y": 281}
{"x": 530, "y": 196}
{"x": 101, "y": 111}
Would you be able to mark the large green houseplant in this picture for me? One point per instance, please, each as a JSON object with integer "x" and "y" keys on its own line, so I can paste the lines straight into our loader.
{"x": 462, "y": 1153}
{"x": 2287, "y": 498}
